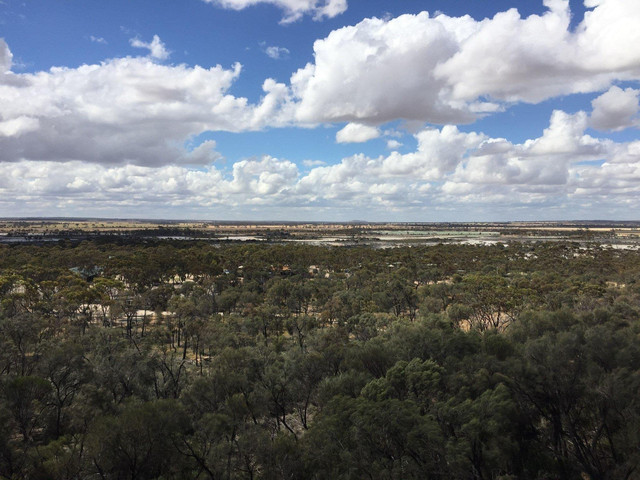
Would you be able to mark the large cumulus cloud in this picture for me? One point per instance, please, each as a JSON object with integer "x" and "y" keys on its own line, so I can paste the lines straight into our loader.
{"x": 124, "y": 110}
{"x": 443, "y": 69}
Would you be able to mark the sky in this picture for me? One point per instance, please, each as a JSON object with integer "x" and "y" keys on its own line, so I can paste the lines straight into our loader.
{"x": 320, "y": 110}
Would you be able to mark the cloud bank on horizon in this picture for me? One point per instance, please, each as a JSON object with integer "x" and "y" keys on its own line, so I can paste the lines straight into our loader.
{"x": 137, "y": 135}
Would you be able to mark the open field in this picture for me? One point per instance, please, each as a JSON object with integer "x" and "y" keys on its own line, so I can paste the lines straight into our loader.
{"x": 318, "y": 233}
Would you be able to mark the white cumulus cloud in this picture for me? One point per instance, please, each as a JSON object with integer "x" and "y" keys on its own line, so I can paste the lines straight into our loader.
{"x": 443, "y": 69}
{"x": 615, "y": 109}
{"x": 357, "y": 133}
{"x": 125, "y": 110}
{"x": 156, "y": 47}
{"x": 393, "y": 144}
{"x": 275, "y": 52}
{"x": 100, "y": 40}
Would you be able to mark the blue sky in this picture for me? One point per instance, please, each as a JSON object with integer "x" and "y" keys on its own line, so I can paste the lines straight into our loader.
{"x": 320, "y": 109}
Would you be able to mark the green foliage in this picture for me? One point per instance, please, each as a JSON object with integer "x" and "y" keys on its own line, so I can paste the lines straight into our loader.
{"x": 141, "y": 442}
{"x": 189, "y": 360}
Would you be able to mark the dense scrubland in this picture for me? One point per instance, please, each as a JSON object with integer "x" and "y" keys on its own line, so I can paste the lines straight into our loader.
{"x": 171, "y": 360}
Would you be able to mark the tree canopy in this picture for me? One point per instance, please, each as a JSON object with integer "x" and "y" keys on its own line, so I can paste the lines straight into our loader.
{"x": 180, "y": 360}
